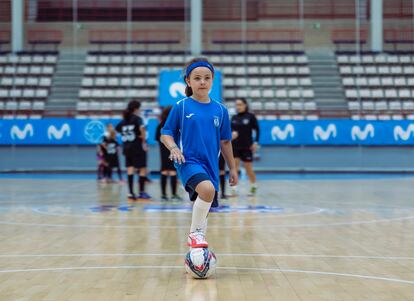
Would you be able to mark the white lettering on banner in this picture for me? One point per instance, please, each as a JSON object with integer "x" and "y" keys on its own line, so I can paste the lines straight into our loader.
{"x": 401, "y": 134}
{"x": 358, "y": 134}
{"x": 177, "y": 89}
{"x": 320, "y": 134}
{"x": 54, "y": 133}
{"x": 17, "y": 133}
{"x": 278, "y": 133}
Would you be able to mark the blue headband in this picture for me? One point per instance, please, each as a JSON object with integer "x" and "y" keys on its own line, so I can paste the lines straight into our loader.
{"x": 198, "y": 64}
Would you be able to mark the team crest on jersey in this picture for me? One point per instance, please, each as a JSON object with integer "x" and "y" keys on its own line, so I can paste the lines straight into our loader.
{"x": 216, "y": 121}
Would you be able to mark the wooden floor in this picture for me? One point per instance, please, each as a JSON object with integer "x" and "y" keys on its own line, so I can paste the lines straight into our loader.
{"x": 299, "y": 239}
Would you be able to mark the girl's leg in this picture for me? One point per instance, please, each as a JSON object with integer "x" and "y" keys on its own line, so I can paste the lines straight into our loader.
{"x": 202, "y": 205}
{"x": 130, "y": 172}
{"x": 164, "y": 175}
{"x": 223, "y": 183}
{"x": 99, "y": 171}
{"x": 252, "y": 176}
{"x": 109, "y": 172}
{"x": 119, "y": 170}
{"x": 173, "y": 182}
{"x": 142, "y": 179}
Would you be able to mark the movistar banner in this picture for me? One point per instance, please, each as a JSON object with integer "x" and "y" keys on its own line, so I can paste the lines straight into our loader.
{"x": 321, "y": 132}
{"x": 337, "y": 132}
{"x": 60, "y": 131}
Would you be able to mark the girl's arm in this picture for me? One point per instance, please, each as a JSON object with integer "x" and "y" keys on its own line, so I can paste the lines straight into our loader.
{"x": 176, "y": 154}
{"x": 227, "y": 151}
{"x": 143, "y": 137}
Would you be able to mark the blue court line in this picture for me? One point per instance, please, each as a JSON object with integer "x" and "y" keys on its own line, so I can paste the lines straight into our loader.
{"x": 260, "y": 176}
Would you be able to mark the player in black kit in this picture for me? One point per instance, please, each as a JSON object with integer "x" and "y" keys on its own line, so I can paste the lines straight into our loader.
{"x": 112, "y": 152}
{"x": 133, "y": 134}
{"x": 243, "y": 124}
{"x": 167, "y": 166}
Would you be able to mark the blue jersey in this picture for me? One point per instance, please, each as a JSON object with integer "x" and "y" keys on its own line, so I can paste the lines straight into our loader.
{"x": 198, "y": 129}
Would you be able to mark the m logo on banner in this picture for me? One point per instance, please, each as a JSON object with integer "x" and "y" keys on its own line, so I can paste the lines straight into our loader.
{"x": 17, "y": 133}
{"x": 401, "y": 134}
{"x": 54, "y": 133}
{"x": 279, "y": 134}
{"x": 358, "y": 134}
{"x": 320, "y": 134}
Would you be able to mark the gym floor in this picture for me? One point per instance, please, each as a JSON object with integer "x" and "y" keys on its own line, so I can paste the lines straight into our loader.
{"x": 327, "y": 237}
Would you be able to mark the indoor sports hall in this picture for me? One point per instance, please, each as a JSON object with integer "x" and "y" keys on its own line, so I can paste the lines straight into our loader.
{"x": 323, "y": 208}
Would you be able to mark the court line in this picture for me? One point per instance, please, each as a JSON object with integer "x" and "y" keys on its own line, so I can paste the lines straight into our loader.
{"x": 130, "y": 267}
{"x": 309, "y": 225}
{"x": 218, "y": 254}
{"x": 265, "y": 215}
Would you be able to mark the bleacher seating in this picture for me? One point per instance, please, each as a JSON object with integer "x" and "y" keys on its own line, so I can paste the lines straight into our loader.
{"x": 384, "y": 83}
{"x": 110, "y": 78}
{"x": 25, "y": 82}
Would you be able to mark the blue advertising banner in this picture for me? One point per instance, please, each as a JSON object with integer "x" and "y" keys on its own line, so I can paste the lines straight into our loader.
{"x": 54, "y": 131}
{"x": 172, "y": 87}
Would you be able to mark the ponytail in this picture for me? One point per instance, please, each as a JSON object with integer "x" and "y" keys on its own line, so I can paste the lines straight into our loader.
{"x": 188, "y": 91}
{"x": 132, "y": 106}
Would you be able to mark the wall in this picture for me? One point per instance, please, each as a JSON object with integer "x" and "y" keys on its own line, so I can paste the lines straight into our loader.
{"x": 272, "y": 158}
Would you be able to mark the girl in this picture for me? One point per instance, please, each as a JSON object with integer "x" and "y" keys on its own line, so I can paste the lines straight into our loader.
{"x": 102, "y": 165}
{"x": 112, "y": 152}
{"x": 167, "y": 166}
{"x": 195, "y": 131}
{"x": 243, "y": 124}
{"x": 135, "y": 148}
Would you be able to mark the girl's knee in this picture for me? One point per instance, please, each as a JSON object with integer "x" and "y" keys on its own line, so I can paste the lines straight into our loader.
{"x": 206, "y": 191}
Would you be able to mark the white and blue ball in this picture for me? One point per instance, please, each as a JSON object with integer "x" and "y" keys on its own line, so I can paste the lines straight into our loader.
{"x": 200, "y": 263}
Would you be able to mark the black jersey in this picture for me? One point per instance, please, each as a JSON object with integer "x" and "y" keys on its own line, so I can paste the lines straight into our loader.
{"x": 163, "y": 148}
{"x": 244, "y": 124}
{"x": 111, "y": 146}
{"x": 130, "y": 130}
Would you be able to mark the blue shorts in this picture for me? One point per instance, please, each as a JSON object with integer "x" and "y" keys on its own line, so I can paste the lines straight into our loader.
{"x": 192, "y": 184}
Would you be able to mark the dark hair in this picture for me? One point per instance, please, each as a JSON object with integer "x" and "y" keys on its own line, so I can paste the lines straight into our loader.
{"x": 188, "y": 90}
{"x": 164, "y": 114}
{"x": 132, "y": 106}
{"x": 243, "y": 100}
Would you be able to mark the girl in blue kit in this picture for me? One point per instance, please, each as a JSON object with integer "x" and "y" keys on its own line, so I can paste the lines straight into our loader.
{"x": 197, "y": 128}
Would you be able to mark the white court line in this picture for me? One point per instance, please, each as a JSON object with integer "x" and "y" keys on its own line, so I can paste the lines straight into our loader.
{"x": 85, "y": 226}
{"x": 277, "y": 270}
{"x": 263, "y": 215}
{"x": 218, "y": 254}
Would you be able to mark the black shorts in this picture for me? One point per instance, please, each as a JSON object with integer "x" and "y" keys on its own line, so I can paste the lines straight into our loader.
{"x": 166, "y": 163}
{"x": 192, "y": 184}
{"x": 137, "y": 160}
{"x": 245, "y": 154}
{"x": 113, "y": 160}
{"x": 222, "y": 163}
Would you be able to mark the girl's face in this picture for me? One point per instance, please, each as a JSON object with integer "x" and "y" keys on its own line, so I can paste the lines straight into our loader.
{"x": 200, "y": 81}
{"x": 240, "y": 106}
{"x": 109, "y": 127}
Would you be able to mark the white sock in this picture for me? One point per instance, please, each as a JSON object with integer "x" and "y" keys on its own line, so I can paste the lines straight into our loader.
{"x": 205, "y": 226}
{"x": 200, "y": 211}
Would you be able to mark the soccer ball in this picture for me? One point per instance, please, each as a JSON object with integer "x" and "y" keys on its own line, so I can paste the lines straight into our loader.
{"x": 200, "y": 263}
